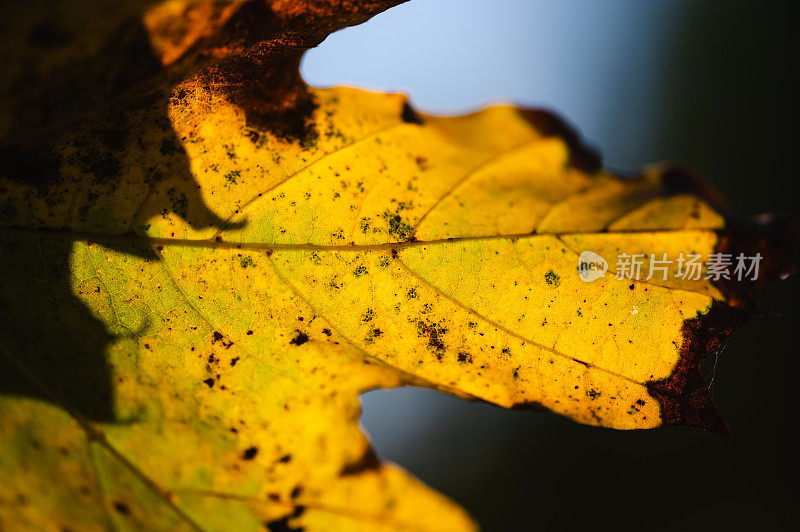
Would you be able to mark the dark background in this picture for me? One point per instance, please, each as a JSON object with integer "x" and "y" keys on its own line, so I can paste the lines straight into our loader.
{"x": 721, "y": 99}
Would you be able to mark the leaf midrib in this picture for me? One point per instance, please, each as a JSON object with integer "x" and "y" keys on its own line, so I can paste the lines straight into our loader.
{"x": 218, "y": 243}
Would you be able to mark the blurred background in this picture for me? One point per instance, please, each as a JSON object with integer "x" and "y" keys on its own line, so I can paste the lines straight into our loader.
{"x": 704, "y": 83}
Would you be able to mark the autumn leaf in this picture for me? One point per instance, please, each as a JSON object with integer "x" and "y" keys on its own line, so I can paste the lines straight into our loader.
{"x": 204, "y": 263}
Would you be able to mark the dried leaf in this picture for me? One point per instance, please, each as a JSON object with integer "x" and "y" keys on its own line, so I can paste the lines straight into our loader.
{"x": 204, "y": 262}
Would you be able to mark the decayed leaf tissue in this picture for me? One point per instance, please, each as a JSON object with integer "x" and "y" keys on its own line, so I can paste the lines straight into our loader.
{"x": 204, "y": 262}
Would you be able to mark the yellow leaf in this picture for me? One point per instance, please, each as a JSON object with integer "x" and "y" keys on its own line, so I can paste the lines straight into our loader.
{"x": 205, "y": 262}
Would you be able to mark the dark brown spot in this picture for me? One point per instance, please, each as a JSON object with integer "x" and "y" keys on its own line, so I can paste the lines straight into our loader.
{"x": 249, "y": 453}
{"x": 435, "y": 333}
{"x": 38, "y": 164}
{"x": 771, "y": 237}
{"x": 122, "y": 508}
{"x": 548, "y": 124}
{"x": 678, "y": 180}
{"x": 48, "y": 34}
{"x": 410, "y": 116}
{"x": 282, "y": 524}
{"x": 593, "y": 394}
{"x": 535, "y": 406}
{"x": 367, "y": 462}
{"x": 299, "y": 339}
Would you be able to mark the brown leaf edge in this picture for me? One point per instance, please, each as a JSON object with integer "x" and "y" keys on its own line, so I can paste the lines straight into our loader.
{"x": 684, "y": 398}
